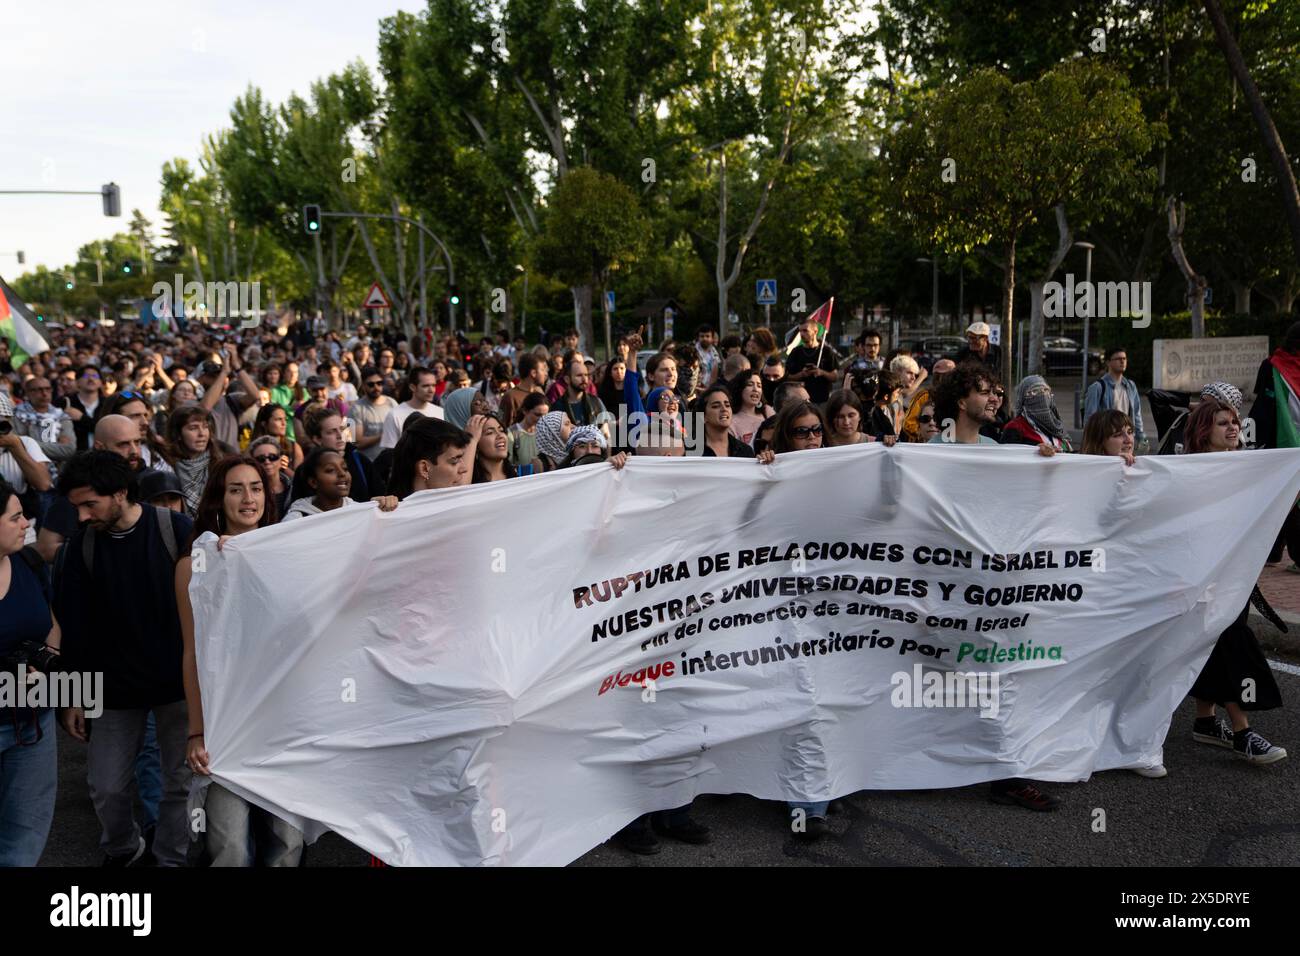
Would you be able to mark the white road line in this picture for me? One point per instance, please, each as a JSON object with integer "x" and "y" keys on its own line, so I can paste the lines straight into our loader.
{"x": 1284, "y": 667}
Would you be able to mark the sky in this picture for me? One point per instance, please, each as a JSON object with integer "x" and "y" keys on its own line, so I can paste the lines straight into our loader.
{"x": 93, "y": 92}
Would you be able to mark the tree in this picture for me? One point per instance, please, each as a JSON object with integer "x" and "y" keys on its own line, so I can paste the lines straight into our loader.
{"x": 981, "y": 163}
{"x": 593, "y": 225}
{"x": 1288, "y": 192}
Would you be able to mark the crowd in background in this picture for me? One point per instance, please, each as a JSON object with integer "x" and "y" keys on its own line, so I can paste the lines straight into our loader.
{"x": 120, "y": 446}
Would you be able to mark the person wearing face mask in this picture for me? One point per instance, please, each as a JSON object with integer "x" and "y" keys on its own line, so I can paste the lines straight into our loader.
{"x": 688, "y": 373}
{"x": 1037, "y": 421}
{"x": 552, "y": 434}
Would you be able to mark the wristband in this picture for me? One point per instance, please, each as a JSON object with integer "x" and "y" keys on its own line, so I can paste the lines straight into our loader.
{"x": 192, "y": 736}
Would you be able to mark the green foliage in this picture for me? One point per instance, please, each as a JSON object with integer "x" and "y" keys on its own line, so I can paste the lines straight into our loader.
{"x": 593, "y": 224}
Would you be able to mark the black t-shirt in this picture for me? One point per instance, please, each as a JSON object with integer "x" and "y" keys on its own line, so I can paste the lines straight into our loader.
{"x": 804, "y": 356}
{"x": 124, "y": 622}
{"x": 735, "y": 449}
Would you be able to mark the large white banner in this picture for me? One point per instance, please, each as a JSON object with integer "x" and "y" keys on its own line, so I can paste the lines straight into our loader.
{"x": 510, "y": 673}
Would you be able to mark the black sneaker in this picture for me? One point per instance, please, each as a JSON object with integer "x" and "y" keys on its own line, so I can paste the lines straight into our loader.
{"x": 640, "y": 841}
{"x": 1214, "y": 731}
{"x": 814, "y": 828}
{"x": 691, "y": 832}
{"x": 126, "y": 859}
{"x": 1027, "y": 796}
{"x": 1248, "y": 745}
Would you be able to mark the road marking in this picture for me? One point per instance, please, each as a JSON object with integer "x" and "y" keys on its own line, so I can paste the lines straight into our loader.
{"x": 1284, "y": 667}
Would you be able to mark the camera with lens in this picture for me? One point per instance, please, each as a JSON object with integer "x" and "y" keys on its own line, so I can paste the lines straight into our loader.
{"x": 34, "y": 654}
{"x": 862, "y": 380}
{"x": 6, "y": 426}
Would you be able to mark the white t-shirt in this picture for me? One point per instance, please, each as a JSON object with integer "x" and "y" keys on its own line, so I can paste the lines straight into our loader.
{"x": 9, "y": 470}
{"x": 346, "y": 391}
{"x": 398, "y": 416}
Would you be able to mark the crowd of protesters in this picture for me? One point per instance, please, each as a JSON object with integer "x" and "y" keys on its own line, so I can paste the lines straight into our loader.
{"x": 120, "y": 447}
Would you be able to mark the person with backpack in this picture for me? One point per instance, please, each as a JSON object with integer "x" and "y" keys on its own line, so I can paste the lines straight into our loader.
{"x": 115, "y": 598}
{"x": 29, "y": 766}
{"x": 1113, "y": 390}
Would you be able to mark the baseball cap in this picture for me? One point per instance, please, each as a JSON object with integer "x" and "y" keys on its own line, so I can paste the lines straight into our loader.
{"x": 150, "y": 484}
{"x": 317, "y": 381}
{"x": 978, "y": 328}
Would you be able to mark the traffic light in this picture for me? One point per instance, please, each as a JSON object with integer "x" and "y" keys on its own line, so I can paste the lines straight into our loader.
{"x": 311, "y": 219}
{"x": 22, "y": 257}
{"x": 128, "y": 267}
{"x": 68, "y": 282}
{"x": 455, "y": 296}
{"x": 112, "y": 196}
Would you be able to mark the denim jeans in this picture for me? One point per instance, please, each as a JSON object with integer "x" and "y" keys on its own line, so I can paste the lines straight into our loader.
{"x": 116, "y": 739}
{"x": 242, "y": 834}
{"x": 810, "y": 809}
{"x": 148, "y": 773}
{"x": 29, "y": 773}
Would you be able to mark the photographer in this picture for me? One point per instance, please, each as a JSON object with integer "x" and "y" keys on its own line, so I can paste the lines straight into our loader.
{"x": 28, "y": 754}
{"x": 22, "y": 463}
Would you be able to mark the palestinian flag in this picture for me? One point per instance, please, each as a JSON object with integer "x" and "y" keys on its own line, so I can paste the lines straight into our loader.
{"x": 19, "y": 326}
{"x": 1286, "y": 386}
{"x": 823, "y": 319}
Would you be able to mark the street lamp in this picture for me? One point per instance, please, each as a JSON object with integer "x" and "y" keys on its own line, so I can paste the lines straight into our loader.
{"x": 1087, "y": 247}
{"x": 934, "y": 296}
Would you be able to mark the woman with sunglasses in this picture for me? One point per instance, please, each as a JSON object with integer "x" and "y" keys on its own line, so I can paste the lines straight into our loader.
{"x": 799, "y": 427}
{"x": 272, "y": 460}
{"x": 1236, "y": 665}
{"x": 273, "y": 421}
{"x": 236, "y": 832}
{"x": 927, "y": 423}
{"x": 844, "y": 412}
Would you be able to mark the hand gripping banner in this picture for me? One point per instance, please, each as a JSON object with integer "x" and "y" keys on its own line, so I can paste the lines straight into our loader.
{"x": 510, "y": 673}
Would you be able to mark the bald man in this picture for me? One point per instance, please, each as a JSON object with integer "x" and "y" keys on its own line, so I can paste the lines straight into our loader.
{"x": 118, "y": 434}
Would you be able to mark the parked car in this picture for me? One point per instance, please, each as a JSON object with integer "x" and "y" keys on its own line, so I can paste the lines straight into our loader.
{"x": 928, "y": 351}
{"x": 1066, "y": 355}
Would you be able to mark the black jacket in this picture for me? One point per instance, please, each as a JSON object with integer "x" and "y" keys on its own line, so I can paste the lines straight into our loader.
{"x": 366, "y": 481}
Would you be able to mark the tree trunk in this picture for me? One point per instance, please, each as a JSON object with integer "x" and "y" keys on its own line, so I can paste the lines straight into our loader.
{"x": 1177, "y": 214}
{"x": 1240, "y": 297}
{"x": 1272, "y": 141}
{"x": 582, "y": 317}
{"x": 1008, "y": 322}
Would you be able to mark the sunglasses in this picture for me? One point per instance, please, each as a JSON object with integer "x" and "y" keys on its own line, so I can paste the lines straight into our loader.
{"x": 377, "y": 383}
{"x": 267, "y": 458}
{"x": 925, "y": 419}
{"x": 132, "y": 395}
{"x": 805, "y": 431}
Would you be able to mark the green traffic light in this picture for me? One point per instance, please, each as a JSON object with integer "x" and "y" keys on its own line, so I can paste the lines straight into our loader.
{"x": 313, "y": 226}
{"x": 126, "y": 269}
{"x": 455, "y": 300}
{"x": 67, "y": 285}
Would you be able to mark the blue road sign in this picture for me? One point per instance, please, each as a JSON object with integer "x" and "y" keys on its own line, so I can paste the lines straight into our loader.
{"x": 765, "y": 290}
{"x": 609, "y": 301}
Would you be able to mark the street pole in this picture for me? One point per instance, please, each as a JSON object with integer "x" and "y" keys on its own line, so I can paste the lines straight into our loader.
{"x": 609, "y": 348}
{"x": 961, "y": 295}
{"x": 934, "y": 301}
{"x": 1087, "y": 315}
{"x": 320, "y": 275}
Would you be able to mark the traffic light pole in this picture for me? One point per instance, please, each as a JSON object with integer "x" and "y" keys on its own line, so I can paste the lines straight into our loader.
{"x": 424, "y": 230}
{"x": 109, "y": 192}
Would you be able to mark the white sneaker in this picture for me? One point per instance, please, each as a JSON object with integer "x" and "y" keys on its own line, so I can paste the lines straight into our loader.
{"x": 1154, "y": 771}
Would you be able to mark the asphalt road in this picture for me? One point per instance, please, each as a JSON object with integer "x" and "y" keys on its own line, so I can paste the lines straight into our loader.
{"x": 1212, "y": 810}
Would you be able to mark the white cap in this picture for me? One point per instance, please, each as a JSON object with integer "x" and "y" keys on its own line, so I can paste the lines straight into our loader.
{"x": 978, "y": 328}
